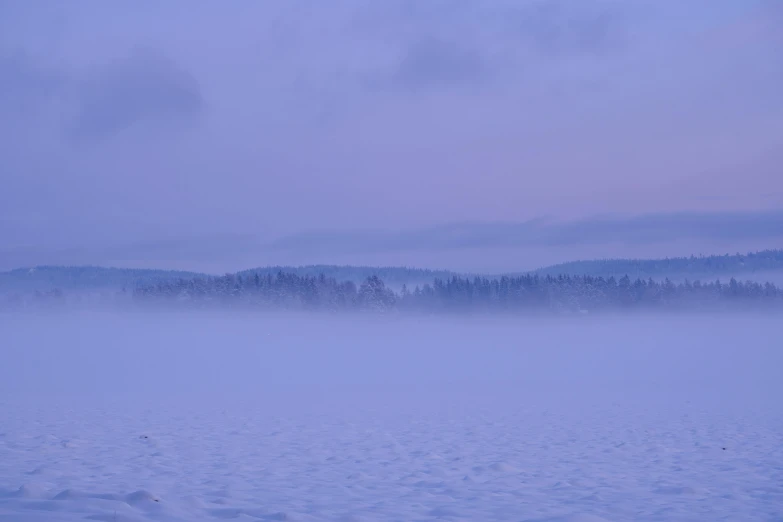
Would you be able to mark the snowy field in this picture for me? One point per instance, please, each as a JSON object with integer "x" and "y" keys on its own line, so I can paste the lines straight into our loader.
{"x": 203, "y": 418}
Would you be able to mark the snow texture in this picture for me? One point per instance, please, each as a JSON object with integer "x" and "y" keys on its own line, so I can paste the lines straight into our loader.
{"x": 269, "y": 418}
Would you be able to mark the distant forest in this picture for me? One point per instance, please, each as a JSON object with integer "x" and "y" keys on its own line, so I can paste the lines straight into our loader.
{"x": 533, "y": 293}
{"x": 394, "y": 276}
{"x": 389, "y": 289}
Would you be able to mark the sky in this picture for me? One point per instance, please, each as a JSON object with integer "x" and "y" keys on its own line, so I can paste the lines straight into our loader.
{"x": 139, "y": 122}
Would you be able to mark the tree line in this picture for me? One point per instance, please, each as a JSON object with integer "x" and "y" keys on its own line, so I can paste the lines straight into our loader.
{"x": 531, "y": 292}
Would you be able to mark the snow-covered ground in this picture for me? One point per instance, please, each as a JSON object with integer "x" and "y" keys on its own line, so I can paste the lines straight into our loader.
{"x": 202, "y": 417}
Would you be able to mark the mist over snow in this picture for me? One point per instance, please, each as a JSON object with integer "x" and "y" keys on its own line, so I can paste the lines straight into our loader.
{"x": 576, "y": 146}
{"x": 205, "y": 416}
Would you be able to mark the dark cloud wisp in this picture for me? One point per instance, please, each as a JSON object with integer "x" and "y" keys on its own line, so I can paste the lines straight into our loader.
{"x": 145, "y": 87}
{"x": 653, "y": 228}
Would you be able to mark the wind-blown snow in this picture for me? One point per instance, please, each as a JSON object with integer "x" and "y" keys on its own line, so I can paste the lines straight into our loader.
{"x": 189, "y": 417}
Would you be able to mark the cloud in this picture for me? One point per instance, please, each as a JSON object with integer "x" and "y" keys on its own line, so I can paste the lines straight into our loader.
{"x": 272, "y": 118}
{"x": 459, "y": 245}
{"x": 644, "y": 229}
{"x": 456, "y": 44}
{"x": 437, "y": 64}
{"x": 26, "y": 84}
{"x": 144, "y": 87}
{"x": 772, "y": 13}
{"x": 570, "y": 27}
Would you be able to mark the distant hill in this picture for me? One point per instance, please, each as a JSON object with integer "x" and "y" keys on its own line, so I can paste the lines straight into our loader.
{"x": 45, "y": 278}
{"x": 766, "y": 265}
{"x": 761, "y": 266}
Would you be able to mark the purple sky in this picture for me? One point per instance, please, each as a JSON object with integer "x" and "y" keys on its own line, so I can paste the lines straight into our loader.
{"x": 131, "y": 121}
